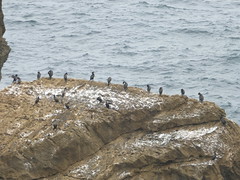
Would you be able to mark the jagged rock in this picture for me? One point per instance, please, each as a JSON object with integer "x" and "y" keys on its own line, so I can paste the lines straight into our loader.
{"x": 4, "y": 48}
{"x": 141, "y": 136}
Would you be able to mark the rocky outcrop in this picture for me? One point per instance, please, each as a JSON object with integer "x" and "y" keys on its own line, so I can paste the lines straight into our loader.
{"x": 141, "y": 136}
{"x": 4, "y": 48}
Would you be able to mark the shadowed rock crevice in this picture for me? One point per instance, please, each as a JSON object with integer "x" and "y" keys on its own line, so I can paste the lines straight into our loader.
{"x": 142, "y": 135}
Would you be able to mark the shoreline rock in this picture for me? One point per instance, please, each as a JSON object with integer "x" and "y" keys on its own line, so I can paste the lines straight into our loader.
{"x": 141, "y": 136}
{"x": 4, "y": 48}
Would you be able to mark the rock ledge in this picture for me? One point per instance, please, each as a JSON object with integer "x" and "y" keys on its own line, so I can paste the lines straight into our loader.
{"x": 141, "y": 136}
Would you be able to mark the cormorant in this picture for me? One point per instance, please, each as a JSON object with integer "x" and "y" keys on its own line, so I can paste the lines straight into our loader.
{"x": 19, "y": 80}
{"x": 201, "y": 98}
{"x": 148, "y": 88}
{"x": 125, "y": 85}
{"x": 100, "y": 99}
{"x": 222, "y": 119}
{"x": 14, "y": 78}
{"x": 67, "y": 105}
{"x": 54, "y": 126}
{"x": 37, "y": 100}
{"x": 65, "y": 77}
{"x": 109, "y": 79}
{"x": 55, "y": 98}
{"x": 108, "y": 102}
{"x": 92, "y": 76}
{"x": 38, "y": 75}
{"x": 214, "y": 156}
{"x": 160, "y": 91}
{"x": 182, "y": 92}
{"x": 50, "y": 73}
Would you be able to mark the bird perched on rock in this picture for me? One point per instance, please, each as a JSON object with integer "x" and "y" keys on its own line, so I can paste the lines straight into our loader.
{"x": 125, "y": 85}
{"x": 55, "y": 98}
{"x": 19, "y": 80}
{"x": 214, "y": 156}
{"x": 50, "y": 73}
{"x": 148, "y": 88}
{"x": 54, "y": 124}
{"x": 201, "y": 98}
{"x": 67, "y": 105}
{"x": 92, "y": 76}
{"x": 37, "y": 100}
{"x": 108, "y": 102}
{"x": 160, "y": 91}
{"x": 64, "y": 92}
{"x": 109, "y": 79}
{"x": 223, "y": 121}
{"x": 100, "y": 99}
{"x": 65, "y": 77}
{"x": 14, "y": 78}
{"x": 182, "y": 92}
{"x": 38, "y": 75}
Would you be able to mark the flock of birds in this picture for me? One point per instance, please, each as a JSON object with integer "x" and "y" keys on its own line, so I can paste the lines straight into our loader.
{"x": 17, "y": 80}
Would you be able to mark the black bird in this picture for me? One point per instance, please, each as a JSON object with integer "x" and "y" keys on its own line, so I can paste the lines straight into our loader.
{"x": 65, "y": 77}
{"x": 37, "y": 100}
{"x": 55, "y": 98}
{"x": 19, "y": 80}
{"x": 14, "y": 78}
{"x": 92, "y": 76}
{"x": 54, "y": 126}
{"x": 160, "y": 91}
{"x": 38, "y": 75}
{"x": 148, "y": 88}
{"x": 125, "y": 85}
{"x": 109, "y": 79}
{"x": 214, "y": 156}
{"x": 108, "y": 105}
{"x": 201, "y": 98}
{"x": 67, "y": 105}
{"x": 100, "y": 99}
{"x": 64, "y": 92}
{"x": 108, "y": 102}
{"x": 222, "y": 119}
{"x": 182, "y": 92}
{"x": 50, "y": 73}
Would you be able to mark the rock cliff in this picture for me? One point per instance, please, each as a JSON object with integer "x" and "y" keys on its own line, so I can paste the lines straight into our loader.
{"x": 4, "y": 48}
{"x": 141, "y": 136}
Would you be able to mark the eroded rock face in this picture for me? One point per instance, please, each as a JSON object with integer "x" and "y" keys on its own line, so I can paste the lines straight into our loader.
{"x": 141, "y": 136}
{"x": 4, "y": 48}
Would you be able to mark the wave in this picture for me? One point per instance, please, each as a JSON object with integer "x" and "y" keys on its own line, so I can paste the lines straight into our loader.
{"x": 70, "y": 35}
{"x": 32, "y": 22}
{"x": 164, "y": 6}
{"x": 235, "y": 37}
{"x": 234, "y": 57}
{"x": 93, "y": 32}
{"x": 193, "y": 31}
{"x": 143, "y": 2}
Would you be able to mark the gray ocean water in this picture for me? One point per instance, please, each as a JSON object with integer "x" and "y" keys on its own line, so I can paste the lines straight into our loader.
{"x": 187, "y": 44}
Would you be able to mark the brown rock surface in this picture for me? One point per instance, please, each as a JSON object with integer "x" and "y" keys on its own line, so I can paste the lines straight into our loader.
{"x": 4, "y": 48}
{"x": 141, "y": 136}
